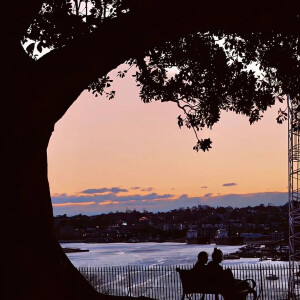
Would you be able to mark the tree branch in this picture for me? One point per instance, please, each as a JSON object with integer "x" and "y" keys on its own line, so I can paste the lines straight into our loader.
{"x": 150, "y": 23}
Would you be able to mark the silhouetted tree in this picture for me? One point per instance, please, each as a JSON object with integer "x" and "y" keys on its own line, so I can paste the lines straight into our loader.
{"x": 211, "y": 44}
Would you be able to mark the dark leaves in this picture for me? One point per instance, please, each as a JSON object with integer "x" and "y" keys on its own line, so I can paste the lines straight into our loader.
{"x": 99, "y": 87}
{"x": 61, "y": 21}
{"x": 121, "y": 74}
{"x": 180, "y": 121}
{"x": 221, "y": 71}
{"x": 203, "y": 145}
{"x": 282, "y": 116}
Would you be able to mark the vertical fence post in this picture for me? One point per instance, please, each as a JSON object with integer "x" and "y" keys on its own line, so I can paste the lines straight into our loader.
{"x": 261, "y": 292}
{"x": 129, "y": 281}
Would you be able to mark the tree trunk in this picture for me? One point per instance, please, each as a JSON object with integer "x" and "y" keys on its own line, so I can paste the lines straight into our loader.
{"x": 35, "y": 266}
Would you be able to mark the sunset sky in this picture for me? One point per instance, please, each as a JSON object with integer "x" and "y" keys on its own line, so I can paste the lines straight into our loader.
{"x": 107, "y": 155}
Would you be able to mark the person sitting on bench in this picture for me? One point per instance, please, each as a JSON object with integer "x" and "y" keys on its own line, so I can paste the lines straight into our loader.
{"x": 232, "y": 286}
{"x": 202, "y": 261}
{"x": 214, "y": 266}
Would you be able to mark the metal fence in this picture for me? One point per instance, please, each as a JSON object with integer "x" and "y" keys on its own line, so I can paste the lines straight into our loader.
{"x": 163, "y": 282}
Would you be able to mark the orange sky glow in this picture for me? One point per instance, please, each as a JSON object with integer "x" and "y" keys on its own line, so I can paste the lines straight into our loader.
{"x": 108, "y": 155}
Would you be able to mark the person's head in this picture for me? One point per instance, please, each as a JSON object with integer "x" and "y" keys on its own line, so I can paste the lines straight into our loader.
{"x": 217, "y": 255}
{"x": 203, "y": 257}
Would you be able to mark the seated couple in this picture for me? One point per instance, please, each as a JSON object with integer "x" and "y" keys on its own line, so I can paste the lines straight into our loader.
{"x": 214, "y": 272}
{"x": 214, "y": 265}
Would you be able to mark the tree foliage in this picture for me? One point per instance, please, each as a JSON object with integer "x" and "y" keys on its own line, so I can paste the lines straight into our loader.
{"x": 242, "y": 71}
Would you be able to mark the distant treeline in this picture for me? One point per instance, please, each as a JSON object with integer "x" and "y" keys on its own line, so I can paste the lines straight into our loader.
{"x": 174, "y": 223}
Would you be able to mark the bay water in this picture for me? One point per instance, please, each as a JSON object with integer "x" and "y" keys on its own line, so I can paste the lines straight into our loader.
{"x": 147, "y": 254}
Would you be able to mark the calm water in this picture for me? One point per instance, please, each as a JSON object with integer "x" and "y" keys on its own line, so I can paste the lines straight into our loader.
{"x": 149, "y": 254}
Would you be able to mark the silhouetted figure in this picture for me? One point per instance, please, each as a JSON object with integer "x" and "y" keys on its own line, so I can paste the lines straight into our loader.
{"x": 202, "y": 261}
{"x": 231, "y": 285}
{"x": 218, "y": 274}
{"x": 214, "y": 266}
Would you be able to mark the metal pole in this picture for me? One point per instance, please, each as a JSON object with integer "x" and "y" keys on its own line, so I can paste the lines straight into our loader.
{"x": 294, "y": 193}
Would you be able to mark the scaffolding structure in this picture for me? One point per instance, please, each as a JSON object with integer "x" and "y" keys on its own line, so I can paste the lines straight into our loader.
{"x": 294, "y": 189}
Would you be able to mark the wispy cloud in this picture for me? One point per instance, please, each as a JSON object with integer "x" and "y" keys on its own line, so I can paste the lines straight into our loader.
{"x": 208, "y": 195}
{"x": 114, "y": 190}
{"x": 108, "y": 202}
{"x": 229, "y": 184}
{"x": 149, "y": 189}
{"x": 56, "y": 199}
{"x": 73, "y": 204}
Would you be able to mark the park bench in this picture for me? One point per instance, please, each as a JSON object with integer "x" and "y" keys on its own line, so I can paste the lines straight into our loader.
{"x": 199, "y": 282}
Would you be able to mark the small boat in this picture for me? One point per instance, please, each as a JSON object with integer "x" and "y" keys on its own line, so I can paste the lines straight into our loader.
{"x": 231, "y": 256}
{"x": 263, "y": 258}
{"x": 272, "y": 277}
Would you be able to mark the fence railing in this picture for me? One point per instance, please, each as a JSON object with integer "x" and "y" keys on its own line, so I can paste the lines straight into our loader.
{"x": 163, "y": 282}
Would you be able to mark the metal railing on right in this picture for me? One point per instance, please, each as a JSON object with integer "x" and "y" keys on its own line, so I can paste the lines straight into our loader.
{"x": 163, "y": 282}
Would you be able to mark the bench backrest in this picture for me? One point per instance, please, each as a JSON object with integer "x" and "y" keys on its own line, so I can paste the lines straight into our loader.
{"x": 202, "y": 282}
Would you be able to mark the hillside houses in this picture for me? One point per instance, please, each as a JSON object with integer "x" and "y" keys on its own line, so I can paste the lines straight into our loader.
{"x": 260, "y": 222}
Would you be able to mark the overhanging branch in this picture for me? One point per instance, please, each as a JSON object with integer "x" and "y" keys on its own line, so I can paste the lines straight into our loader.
{"x": 149, "y": 24}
